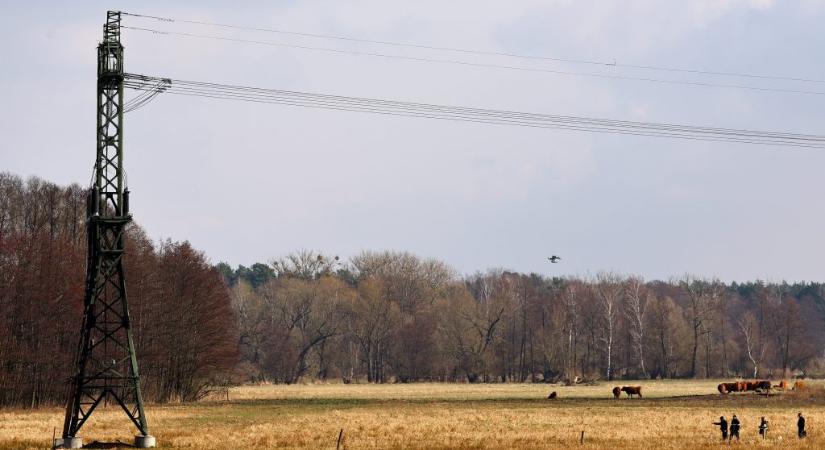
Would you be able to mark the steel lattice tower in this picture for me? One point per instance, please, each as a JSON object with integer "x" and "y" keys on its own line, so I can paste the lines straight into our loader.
{"x": 105, "y": 366}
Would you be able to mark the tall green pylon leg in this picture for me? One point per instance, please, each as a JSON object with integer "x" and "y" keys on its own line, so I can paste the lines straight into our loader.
{"x": 106, "y": 368}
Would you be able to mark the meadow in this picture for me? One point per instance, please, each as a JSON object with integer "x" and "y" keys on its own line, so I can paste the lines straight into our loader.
{"x": 672, "y": 414}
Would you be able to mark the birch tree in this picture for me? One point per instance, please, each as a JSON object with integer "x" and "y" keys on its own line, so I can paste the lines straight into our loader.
{"x": 749, "y": 325}
{"x": 609, "y": 293}
{"x": 636, "y": 299}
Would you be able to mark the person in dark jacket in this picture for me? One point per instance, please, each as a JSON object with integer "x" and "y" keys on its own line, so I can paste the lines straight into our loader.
{"x": 723, "y": 427}
{"x": 763, "y": 427}
{"x": 734, "y": 427}
{"x": 800, "y": 426}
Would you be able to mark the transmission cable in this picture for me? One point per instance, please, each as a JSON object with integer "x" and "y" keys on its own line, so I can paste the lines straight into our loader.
{"x": 481, "y": 65}
{"x": 148, "y": 91}
{"x": 477, "y": 52}
{"x": 466, "y": 114}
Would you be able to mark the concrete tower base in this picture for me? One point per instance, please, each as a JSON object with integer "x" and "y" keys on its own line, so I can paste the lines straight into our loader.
{"x": 145, "y": 441}
{"x": 72, "y": 442}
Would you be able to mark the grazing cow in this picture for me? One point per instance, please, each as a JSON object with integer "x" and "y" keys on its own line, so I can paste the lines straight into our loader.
{"x": 782, "y": 385}
{"x": 617, "y": 391}
{"x": 726, "y": 388}
{"x": 632, "y": 390}
{"x": 552, "y": 396}
{"x": 799, "y": 385}
{"x": 762, "y": 385}
{"x": 756, "y": 385}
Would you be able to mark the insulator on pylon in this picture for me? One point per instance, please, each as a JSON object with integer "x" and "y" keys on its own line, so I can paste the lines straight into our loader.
{"x": 89, "y": 196}
{"x": 95, "y": 201}
{"x": 126, "y": 202}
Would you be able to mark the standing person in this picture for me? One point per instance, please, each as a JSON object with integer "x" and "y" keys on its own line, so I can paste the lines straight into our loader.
{"x": 763, "y": 428}
{"x": 734, "y": 427}
{"x": 723, "y": 427}
{"x": 800, "y": 425}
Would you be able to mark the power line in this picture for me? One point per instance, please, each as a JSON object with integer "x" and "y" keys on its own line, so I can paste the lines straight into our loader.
{"x": 477, "y": 115}
{"x": 259, "y": 93}
{"x": 480, "y": 52}
{"x": 149, "y": 92}
{"x": 472, "y": 64}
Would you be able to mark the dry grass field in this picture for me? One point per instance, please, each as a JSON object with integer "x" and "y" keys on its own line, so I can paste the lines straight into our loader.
{"x": 673, "y": 414}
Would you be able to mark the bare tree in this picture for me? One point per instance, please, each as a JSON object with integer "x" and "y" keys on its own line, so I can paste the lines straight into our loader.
{"x": 636, "y": 298}
{"x": 373, "y": 325}
{"x": 410, "y": 281}
{"x": 609, "y": 292}
{"x": 749, "y": 325}
{"x": 305, "y": 264}
{"x": 473, "y": 322}
{"x": 787, "y": 332}
{"x": 250, "y": 316}
{"x": 664, "y": 318}
{"x": 572, "y": 292}
{"x": 702, "y": 295}
{"x": 783, "y": 323}
{"x": 307, "y": 314}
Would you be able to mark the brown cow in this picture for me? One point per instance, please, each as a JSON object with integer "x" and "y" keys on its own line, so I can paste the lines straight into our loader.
{"x": 762, "y": 385}
{"x": 552, "y": 396}
{"x": 632, "y": 390}
{"x": 726, "y": 388}
{"x": 744, "y": 386}
{"x": 617, "y": 391}
{"x": 756, "y": 385}
{"x": 799, "y": 385}
{"x": 782, "y": 385}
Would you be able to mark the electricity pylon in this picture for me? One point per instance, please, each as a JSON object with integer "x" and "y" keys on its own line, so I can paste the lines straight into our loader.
{"x": 105, "y": 365}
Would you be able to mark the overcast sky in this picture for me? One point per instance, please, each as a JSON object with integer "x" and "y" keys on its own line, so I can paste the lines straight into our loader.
{"x": 248, "y": 182}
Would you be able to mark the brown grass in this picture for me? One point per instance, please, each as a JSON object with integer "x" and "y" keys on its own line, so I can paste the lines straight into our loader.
{"x": 675, "y": 414}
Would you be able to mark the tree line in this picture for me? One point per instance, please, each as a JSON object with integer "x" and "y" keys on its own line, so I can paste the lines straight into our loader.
{"x": 180, "y": 308}
{"x": 378, "y": 317}
{"x": 395, "y": 317}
